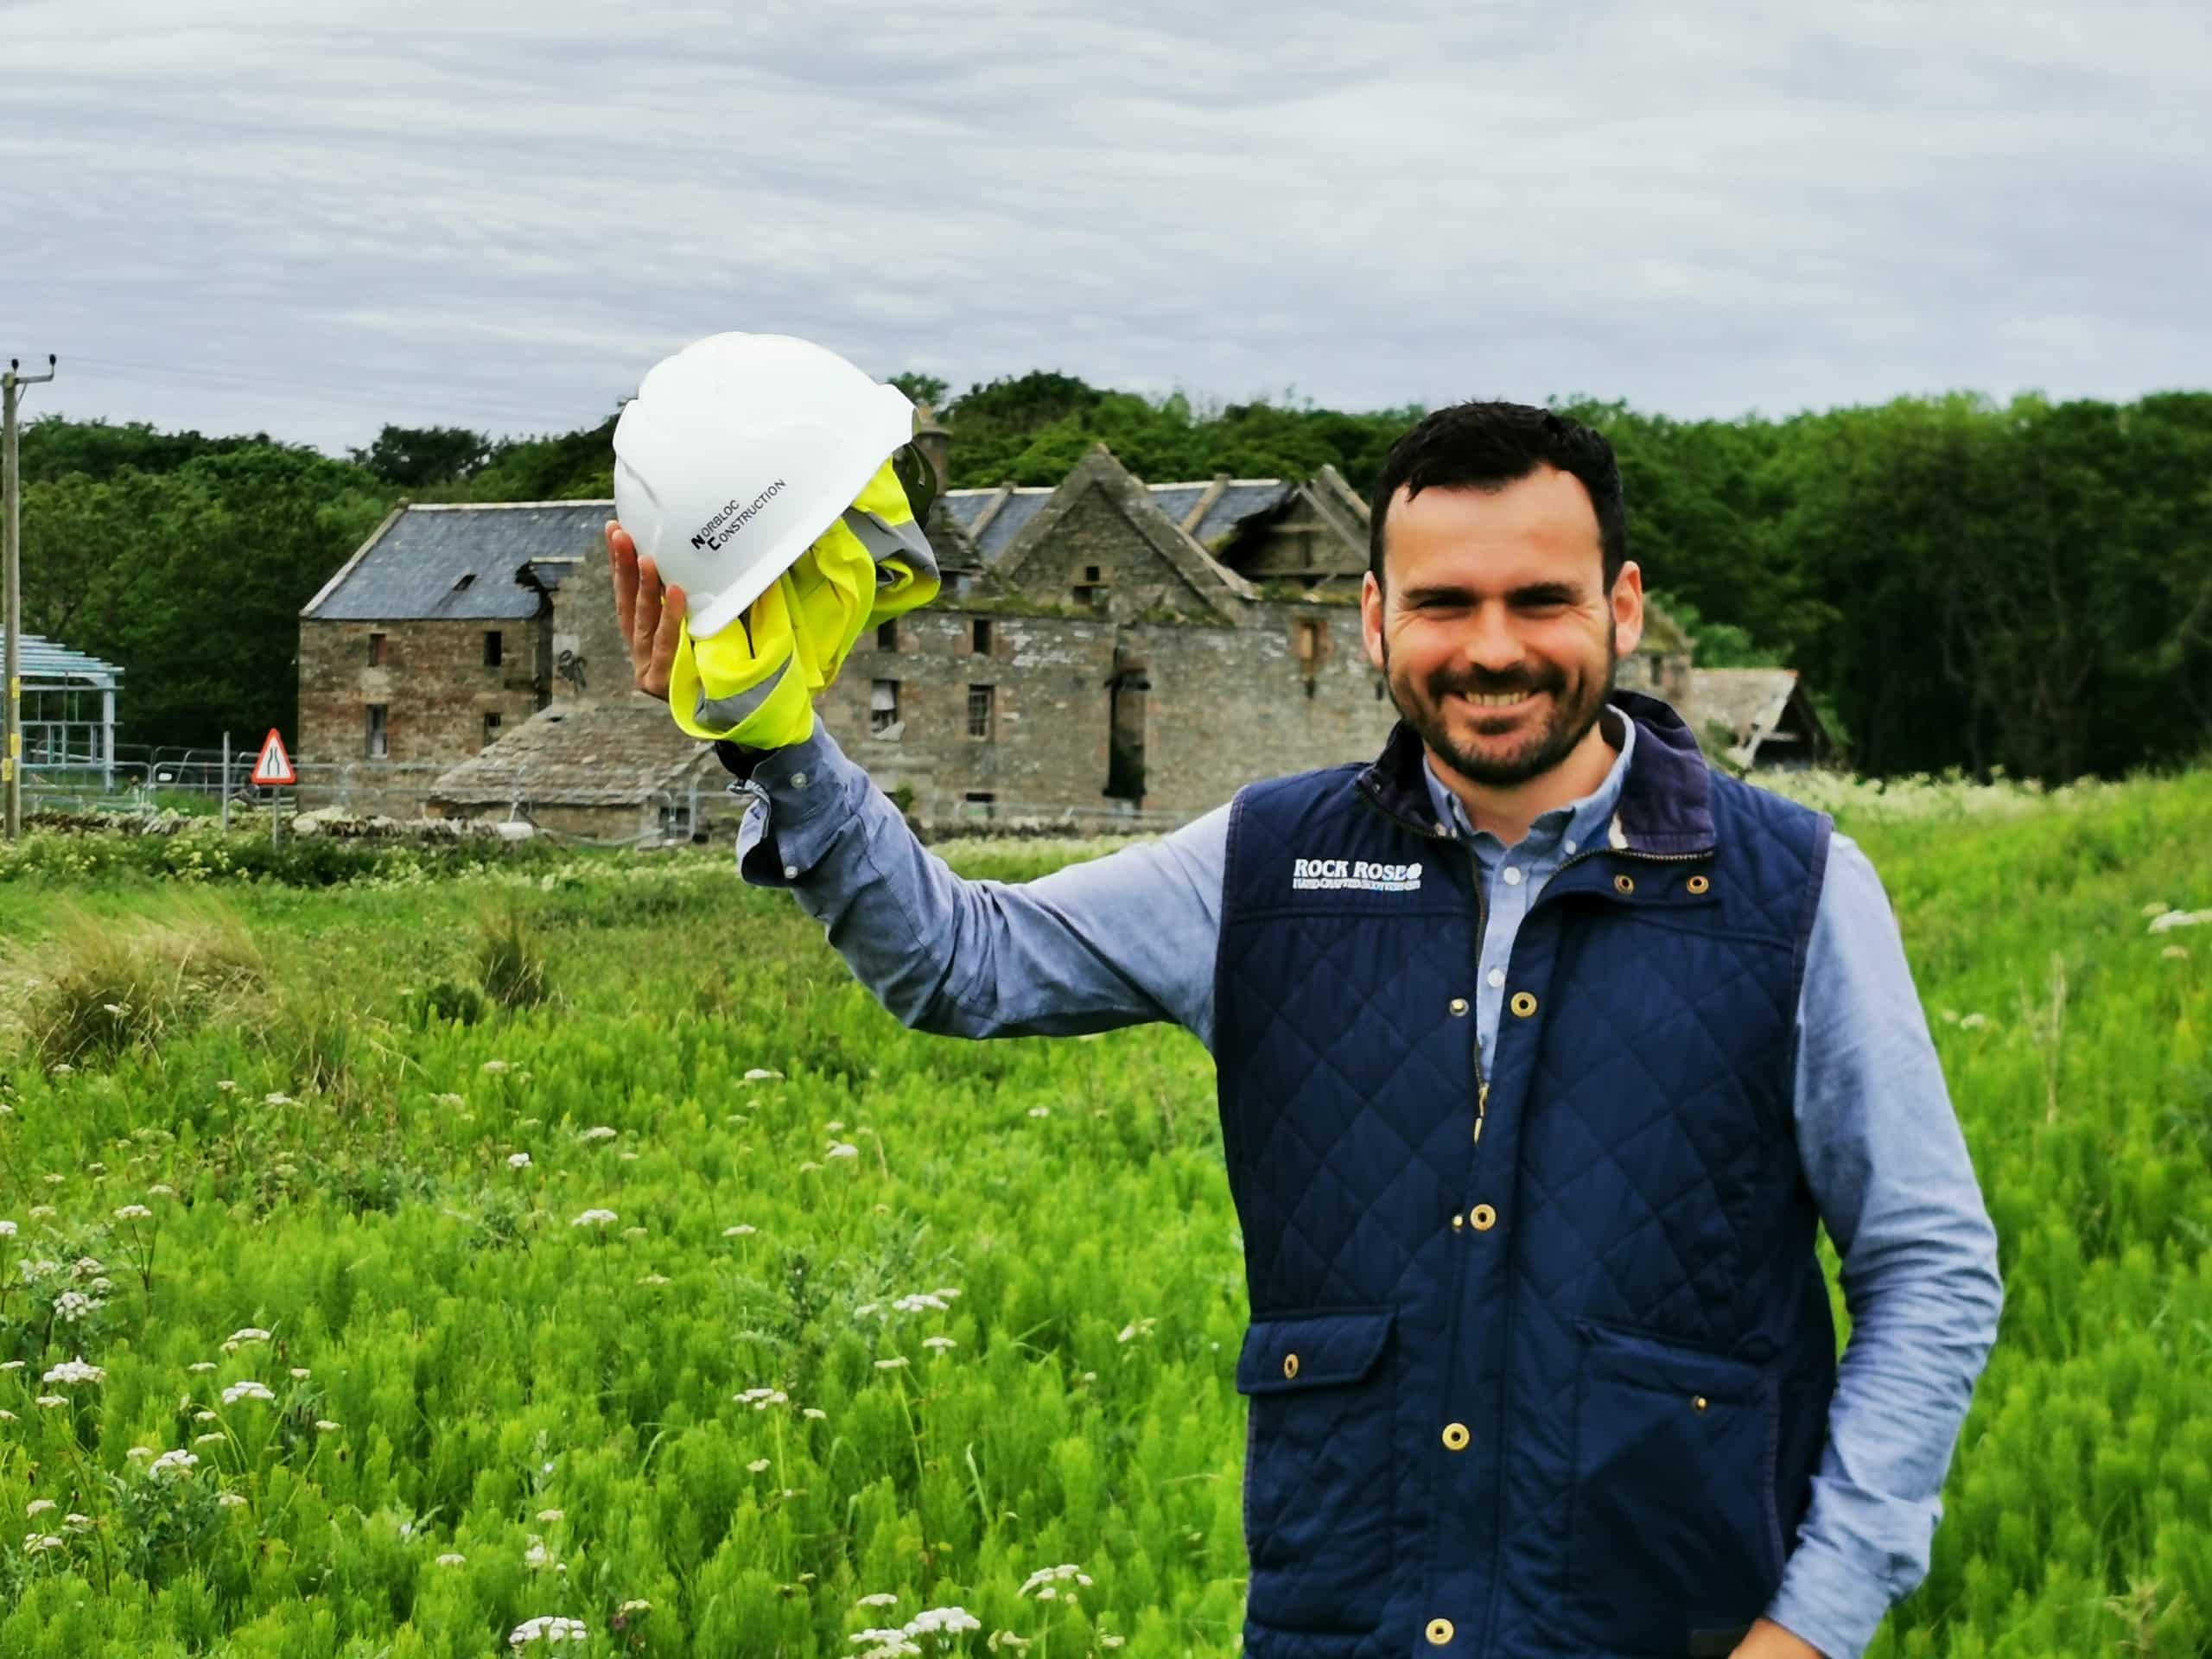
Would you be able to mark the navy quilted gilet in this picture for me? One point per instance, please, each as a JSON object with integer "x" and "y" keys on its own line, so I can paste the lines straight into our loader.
{"x": 1539, "y": 1363}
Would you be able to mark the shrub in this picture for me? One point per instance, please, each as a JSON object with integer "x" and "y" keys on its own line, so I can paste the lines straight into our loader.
{"x": 510, "y": 963}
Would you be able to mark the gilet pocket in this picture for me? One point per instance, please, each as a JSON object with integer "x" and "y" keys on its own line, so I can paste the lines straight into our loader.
{"x": 1672, "y": 1536}
{"x": 1318, "y": 1475}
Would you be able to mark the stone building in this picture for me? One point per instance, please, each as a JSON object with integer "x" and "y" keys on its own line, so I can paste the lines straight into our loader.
{"x": 1759, "y": 719}
{"x": 1103, "y": 651}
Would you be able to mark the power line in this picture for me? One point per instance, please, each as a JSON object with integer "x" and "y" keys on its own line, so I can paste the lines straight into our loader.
{"x": 12, "y": 539}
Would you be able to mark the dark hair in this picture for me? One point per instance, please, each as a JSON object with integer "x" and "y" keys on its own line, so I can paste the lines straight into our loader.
{"x": 1486, "y": 445}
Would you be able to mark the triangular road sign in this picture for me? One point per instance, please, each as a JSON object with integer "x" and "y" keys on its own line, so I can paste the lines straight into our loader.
{"x": 275, "y": 766}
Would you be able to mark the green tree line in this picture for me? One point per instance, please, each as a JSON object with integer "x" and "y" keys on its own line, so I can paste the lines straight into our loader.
{"x": 1964, "y": 583}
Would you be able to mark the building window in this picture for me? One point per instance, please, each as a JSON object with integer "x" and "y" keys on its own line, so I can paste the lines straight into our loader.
{"x": 983, "y": 639}
{"x": 982, "y": 711}
{"x": 379, "y": 737}
{"x": 491, "y": 648}
{"x": 976, "y": 806}
{"x": 1091, "y": 590}
{"x": 882, "y": 706}
{"x": 490, "y": 729}
{"x": 1309, "y": 643}
{"x": 375, "y": 651}
{"x": 886, "y": 636}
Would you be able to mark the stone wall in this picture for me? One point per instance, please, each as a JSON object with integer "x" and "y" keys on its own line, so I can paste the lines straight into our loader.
{"x": 590, "y": 657}
{"x": 433, "y": 684}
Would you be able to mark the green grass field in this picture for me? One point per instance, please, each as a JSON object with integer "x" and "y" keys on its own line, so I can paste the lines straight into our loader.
{"x": 671, "y": 1287}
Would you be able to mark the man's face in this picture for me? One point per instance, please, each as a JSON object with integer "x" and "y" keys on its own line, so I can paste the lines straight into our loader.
{"x": 1495, "y": 635}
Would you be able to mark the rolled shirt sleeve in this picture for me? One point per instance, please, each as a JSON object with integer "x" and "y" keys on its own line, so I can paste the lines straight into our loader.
{"x": 1886, "y": 1161}
{"x": 1114, "y": 940}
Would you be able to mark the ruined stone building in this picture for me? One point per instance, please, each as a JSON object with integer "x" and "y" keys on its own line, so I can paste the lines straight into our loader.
{"x": 1102, "y": 648}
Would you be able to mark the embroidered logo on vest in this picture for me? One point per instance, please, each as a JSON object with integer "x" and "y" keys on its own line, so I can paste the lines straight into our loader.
{"x": 1338, "y": 874}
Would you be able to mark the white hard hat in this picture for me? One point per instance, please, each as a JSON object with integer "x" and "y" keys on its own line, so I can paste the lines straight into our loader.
{"x": 737, "y": 453}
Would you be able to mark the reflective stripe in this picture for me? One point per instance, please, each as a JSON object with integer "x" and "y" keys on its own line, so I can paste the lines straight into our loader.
{"x": 885, "y": 542}
{"x": 727, "y": 714}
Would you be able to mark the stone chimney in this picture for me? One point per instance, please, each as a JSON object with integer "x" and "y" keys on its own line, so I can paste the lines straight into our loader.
{"x": 934, "y": 440}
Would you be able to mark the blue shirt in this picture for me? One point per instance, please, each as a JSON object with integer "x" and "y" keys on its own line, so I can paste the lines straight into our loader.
{"x": 1132, "y": 937}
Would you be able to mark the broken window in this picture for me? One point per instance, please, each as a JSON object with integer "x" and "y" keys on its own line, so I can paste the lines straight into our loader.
{"x": 375, "y": 651}
{"x": 976, "y": 804}
{"x": 490, "y": 730}
{"x": 886, "y": 636}
{"x": 1091, "y": 590}
{"x": 982, "y": 636}
{"x": 379, "y": 736}
{"x": 883, "y": 705}
{"x": 982, "y": 711}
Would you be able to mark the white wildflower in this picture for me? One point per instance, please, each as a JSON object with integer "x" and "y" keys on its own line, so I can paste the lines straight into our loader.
{"x": 2166, "y": 923}
{"x": 942, "y": 1621}
{"x": 139, "y": 1453}
{"x": 250, "y": 1333}
{"x": 1973, "y": 1022}
{"x": 536, "y": 1555}
{"x": 2175, "y": 953}
{"x": 842, "y": 1149}
{"x": 300, "y": 1373}
{"x": 40, "y": 1213}
{"x": 1134, "y": 1329}
{"x": 215, "y": 1438}
{"x": 161, "y": 1190}
{"x": 452, "y": 1559}
{"x": 738, "y": 1231}
{"x": 940, "y": 1344}
{"x": 655, "y": 1279}
{"x": 761, "y": 1399}
{"x": 37, "y": 1507}
{"x": 761, "y": 1074}
{"x": 758, "y": 1466}
{"x": 6, "y": 1230}
{"x": 53, "y": 1181}
{"x": 1044, "y": 1576}
{"x": 517, "y": 1160}
{"x": 134, "y": 1212}
{"x": 50, "y": 1401}
{"x": 75, "y": 1370}
{"x": 896, "y": 1362}
{"x": 549, "y": 1630}
{"x": 71, "y": 1306}
{"x": 11, "y": 1365}
{"x": 37, "y": 1543}
{"x": 598, "y": 1132}
{"x": 595, "y": 1218}
{"x": 205, "y": 1417}
{"x": 451, "y": 1103}
{"x": 246, "y": 1391}
{"x": 880, "y": 1599}
{"x": 181, "y": 1461}
{"x": 230, "y": 1500}
{"x": 324, "y": 1426}
{"x": 920, "y": 1299}
{"x": 887, "y": 1644}
{"x": 815, "y": 1413}
{"x": 201, "y": 1367}
{"x": 549, "y": 1516}
{"x": 1040, "y": 1111}
{"x": 493, "y": 1066}
{"x": 278, "y": 1099}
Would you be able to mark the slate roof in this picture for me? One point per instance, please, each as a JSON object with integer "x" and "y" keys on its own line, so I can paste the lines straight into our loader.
{"x": 1243, "y": 497}
{"x": 1743, "y": 701}
{"x": 41, "y": 660}
{"x": 412, "y": 568}
{"x": 616, "y": 752}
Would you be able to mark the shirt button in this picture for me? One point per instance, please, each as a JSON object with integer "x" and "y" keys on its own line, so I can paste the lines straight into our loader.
{"x": 1439, "y": 1631}
{"x": 798, "y": 780}
{"x": 1512, "y": 875}
{"x": 1497, "y": 976}
{"x": 791, "y": 872}
{"x": 1570, "y": 846}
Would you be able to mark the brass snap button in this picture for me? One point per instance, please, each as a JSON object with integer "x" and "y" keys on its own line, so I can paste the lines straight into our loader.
{"x": 1455, "y": 1436}
{"x": 1524, "y": 1004}
{"x": 1698, "y": 1402}
{"x": 1624, "y": 884}
{"x": 1457, "y": 1221}
{"x": 1484, "y": 1216}
{"x": 1458, "y": 1005}
{"x": 1439, "y": 1631}
{"x": 1290, "y": 1365}
{"x": 1699, "y": 883}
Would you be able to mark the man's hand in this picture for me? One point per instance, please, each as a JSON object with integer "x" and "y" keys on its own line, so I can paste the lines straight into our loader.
{"x": 1768, "y": 1640}
{"x": 651, "y": 616}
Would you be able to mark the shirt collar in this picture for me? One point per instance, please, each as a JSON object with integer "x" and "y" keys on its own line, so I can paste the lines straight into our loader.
{"x": 1584, "y": 821}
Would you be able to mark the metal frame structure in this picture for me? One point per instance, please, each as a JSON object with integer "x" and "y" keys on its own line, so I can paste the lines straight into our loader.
{"x": 58, "y": 735}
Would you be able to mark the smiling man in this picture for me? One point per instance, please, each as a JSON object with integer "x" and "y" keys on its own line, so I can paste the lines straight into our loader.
{"x": 1543, "y": 1052}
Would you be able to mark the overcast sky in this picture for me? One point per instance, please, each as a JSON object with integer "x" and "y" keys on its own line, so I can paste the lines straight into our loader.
{"x": 315, "y": 218}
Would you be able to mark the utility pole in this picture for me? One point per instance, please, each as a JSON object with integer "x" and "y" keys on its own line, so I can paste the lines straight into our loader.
{"x": 11, "y": 533}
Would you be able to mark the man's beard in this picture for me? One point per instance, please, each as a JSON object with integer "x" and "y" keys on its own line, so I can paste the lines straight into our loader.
{"x": 1571, "y": 709}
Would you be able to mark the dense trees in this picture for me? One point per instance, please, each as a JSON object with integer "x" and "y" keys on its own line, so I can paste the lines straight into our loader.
{"x": 2026, "y": 586}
